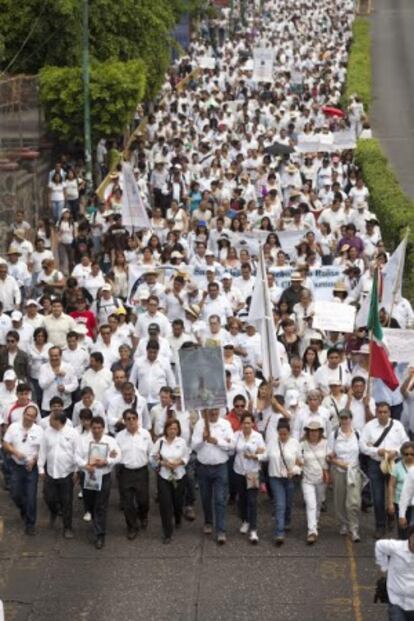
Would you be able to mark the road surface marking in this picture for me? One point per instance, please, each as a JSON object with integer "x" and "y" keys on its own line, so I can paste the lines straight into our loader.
{"x": 356, "y": 599}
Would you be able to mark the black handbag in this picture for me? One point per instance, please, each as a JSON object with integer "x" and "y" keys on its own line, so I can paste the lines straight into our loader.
{"x": 381, "y": 593}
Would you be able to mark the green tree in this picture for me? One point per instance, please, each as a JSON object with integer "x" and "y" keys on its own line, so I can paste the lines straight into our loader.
{"x": 116, "y": 87}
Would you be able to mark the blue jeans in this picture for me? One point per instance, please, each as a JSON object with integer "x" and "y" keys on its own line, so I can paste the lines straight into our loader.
{"x": 213, "y": 482}
{"x": 23, "y": 490}
{"x": 57, "y": 208}
{"x": 247, "y": 501}
{"x": 395, "y": 613}
{"x": 282, "y": 494}
{"x": 377, "y": 480}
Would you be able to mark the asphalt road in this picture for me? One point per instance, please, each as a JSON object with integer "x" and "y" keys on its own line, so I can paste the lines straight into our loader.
{"x": 46, "y": 578}
{"x": 393, "y": 84}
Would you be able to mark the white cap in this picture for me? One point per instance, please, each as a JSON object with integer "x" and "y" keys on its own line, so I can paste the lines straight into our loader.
{"x": 16, "y": 316}
{"x": 106, "y": 287}
{"x": 33, "y": 303}
{"x": 291, "y": 398}
{"x": 226, "y": 275}
{"x": 9, "y": 376}
{"x": 80, "y": 328}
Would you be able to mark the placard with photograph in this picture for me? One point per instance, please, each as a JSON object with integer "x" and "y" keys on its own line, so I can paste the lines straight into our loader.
{"x": 202, "y": 378}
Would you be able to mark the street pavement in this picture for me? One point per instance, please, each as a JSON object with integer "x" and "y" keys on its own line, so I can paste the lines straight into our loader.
{"x": 393, "y": 84}
{"x": 46, "y": 578}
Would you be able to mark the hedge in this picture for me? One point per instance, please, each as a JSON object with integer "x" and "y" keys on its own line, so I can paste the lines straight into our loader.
{"x": 392, "y": 206}
{"x": 359, "y": 75}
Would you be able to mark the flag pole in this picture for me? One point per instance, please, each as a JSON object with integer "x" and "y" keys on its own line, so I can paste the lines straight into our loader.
{"x": 266, "y": 310}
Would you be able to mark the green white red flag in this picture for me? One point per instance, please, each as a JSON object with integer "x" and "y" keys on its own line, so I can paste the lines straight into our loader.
{"x": 380, "y": 365}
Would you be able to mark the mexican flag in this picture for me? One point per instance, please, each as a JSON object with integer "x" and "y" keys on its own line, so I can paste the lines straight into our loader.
{"x": 380, "y": 365}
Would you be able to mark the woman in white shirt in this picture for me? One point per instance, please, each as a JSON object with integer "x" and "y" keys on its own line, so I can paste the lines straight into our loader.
{"x": 314, "y": 450}
{"x": 283, "y": 455}
{"x": 72, "y": 193}
{"x": 65, "y": 232}
{"x": 57, "y": 196}
{"x": 38, "y": 352}
{"x": 250, "y": 450}
{"x": 85, "y": 437}
{"x": 344, "y": 455}
{"x": 171, "y": 454}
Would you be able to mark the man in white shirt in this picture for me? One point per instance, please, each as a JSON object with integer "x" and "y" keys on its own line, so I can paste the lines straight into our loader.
{"x": 129, "y": 398}
{"x": 214, "y": 303}
{"x": 152, "y": 315}
{"x": 97, "y": 376}
{"x": 97, "y": 464}
{"x": 133, "y": 476}
{"x": 154, "y": 335}
{"x": 7, "y": 393}
{"x": 333, "y": 369}
{"x": 75, "y": 355}
{"x": 10, "y": 295}
{"x": 213, "y": 441}
{"x": 397, "y": 559}
{"x": 361, "y": 405}
{"x": 151, "y": 374}
{"x": 381, "y": 439}
{"x": 57, "y": 379}
{"x": 57, "y": 466}
{"x": 297, "y": 379}
{"x": 22, "y": 442}
{"x": 107, "y": 345}
{"x": 58, "y": 324}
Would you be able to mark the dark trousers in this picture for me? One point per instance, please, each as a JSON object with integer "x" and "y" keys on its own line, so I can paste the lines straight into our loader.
{"x": 378, "y": 482}
{"x": 96, "y": 502}
{"x": 134, "y": 491}
{"x": 170, "y": 502}
{"x": 23, "y": 490}
{"x": 402, "y": 532}
{"x": 233, "y": 483}
{"x": 58, "y": 495}
{"x": 37, "y": 392}
{"x": 247, "y": 501}
{"x": 396, "y": 613}
{"x": 189, "y": 482}
{"x": 213, "y": 481}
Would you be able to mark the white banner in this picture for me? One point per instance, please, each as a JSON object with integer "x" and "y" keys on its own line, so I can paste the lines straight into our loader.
{"x": 134, "y": 215}
{"x": 400, "y": 344}
{"x": 263, "y": 64}
{"x": 290, "y": 239}
{"x": 281, "y": 275}
{"x": 323, "y": 280}
{"x": 338, "y": 141}
{"x": 334, "y": 316}
{"x": 207, "y": 62}
{"x": 250, "y": 240}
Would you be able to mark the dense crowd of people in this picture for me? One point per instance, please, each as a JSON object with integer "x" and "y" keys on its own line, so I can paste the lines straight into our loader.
{"x": 93, "y": 314}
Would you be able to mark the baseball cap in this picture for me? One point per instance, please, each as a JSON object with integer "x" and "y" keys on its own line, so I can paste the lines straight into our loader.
{"x": 9, "y": 376}
{"x": 16, "y": 316}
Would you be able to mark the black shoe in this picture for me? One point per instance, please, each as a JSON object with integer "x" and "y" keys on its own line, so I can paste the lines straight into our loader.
{"x": 30, "y": 531}
{"x": 177, "y": 523}
{"x": 144, "y": 523}
{"x": 132, "y": 533}
{"x": 379, "y": 533}
{"x": 189, "y": 514}
{"x": 99, "y": 542}
{"x": 288, "y": 527}
{"x": 324, "y": 508}
{"x": 166, "y": 539}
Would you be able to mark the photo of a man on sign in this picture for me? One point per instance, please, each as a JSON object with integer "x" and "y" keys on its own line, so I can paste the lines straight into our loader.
{"x": 202, "y": 377}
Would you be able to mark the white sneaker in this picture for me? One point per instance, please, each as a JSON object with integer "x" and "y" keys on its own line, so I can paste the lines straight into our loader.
{"x": 253, "y": 538}
{"x": 244, "y": 528}
{"x": 87, "y": 517}
{"x": 355, "y": 536}
{"x": 80, "y": 495}
{"x": 343, "y": 530}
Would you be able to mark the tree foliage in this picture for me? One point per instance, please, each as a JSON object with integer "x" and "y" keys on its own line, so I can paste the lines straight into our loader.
{"x": 122, "y": 30}
{"x": 115, "y": 89}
